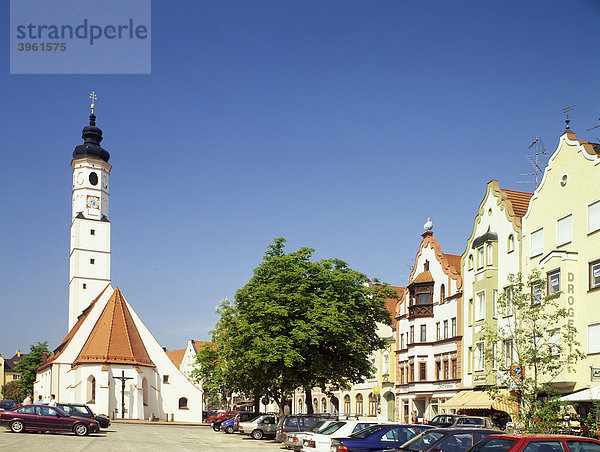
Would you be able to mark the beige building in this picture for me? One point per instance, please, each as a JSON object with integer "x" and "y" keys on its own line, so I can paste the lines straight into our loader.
{"x": 7, "y": 369}
{"x": 561, "y": 238}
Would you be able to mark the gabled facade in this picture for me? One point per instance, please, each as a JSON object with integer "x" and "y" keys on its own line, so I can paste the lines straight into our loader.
{"x": 561, "y": 238}
{"x": 428, "y": 333}
{"x": 493, "y": 252}
{"x": 8, "y": 372}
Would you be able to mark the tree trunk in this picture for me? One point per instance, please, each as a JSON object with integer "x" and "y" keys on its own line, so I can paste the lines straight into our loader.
{"x": 309, "y": 405}
{"x": 257, "y": 404}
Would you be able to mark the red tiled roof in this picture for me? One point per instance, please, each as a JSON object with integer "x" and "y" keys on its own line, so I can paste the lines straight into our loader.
{"x": 390, "y": 303}
{"x": 519, "y": 201}
{"x": 198, "y": 345}
{"x": 176, "y": 356}
{"x": 423, "y": 277}
{"x": 115, "y": 339}
{"x": 453, "y": 261}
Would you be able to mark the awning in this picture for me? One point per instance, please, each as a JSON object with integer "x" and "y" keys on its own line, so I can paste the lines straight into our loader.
{"x": 585, "y": 395}
{"x": 471, "y": 399}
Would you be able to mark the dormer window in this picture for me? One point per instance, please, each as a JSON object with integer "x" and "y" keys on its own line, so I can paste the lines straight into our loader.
{"x": 424, "y": 298}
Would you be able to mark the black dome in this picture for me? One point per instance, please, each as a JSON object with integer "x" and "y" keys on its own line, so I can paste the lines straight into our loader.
{"x": 91, "y": 148}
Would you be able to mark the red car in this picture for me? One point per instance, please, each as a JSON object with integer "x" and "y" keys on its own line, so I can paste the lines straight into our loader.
{"x": 221, "y": 415}
{"x": 43, "y": 418}
{"x": 536, "y": 443}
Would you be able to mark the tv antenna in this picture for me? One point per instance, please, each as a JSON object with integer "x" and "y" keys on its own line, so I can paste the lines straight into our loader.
{"x": 535, "y": 161}
{"x": 566, "y": 111}
{"x": 597, "y": 126}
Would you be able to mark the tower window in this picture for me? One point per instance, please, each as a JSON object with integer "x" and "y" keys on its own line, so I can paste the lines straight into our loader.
{"x": 93, "y": 178}
{"x": 165, "y": 379}
{"x": 92, "y": 261}
{"x": 92, "y": 232}
{"x": 84, "y": 286}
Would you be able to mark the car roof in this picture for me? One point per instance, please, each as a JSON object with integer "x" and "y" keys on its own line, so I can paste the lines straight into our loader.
{"x": 468, "y": 429}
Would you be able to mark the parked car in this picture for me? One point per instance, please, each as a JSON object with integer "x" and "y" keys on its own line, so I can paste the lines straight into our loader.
{"x": 262, "y": 426}
{"x": 8, "y": 404}
{"x": 443, "y": 420}
{"x": 474, "y": 422}
{"x": 378, "y": 437}
{"x": 294, "y": 440}
{"x": 536, "y": 443}
{"x": 451, "y": 439}
{"x": 233, "y": 425}
{"x": 215, "y": 415}
{"x": 295, "y": 423}
{"x": 46, "y": 418}
{"x": 321, "y": 442}
{"x": 216, "y": 424}
{"x": 81, "y": 410}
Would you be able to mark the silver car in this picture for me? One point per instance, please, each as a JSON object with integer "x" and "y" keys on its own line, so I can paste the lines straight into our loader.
{"x": 265, "y": 425}
{"x": 294, "y": 440}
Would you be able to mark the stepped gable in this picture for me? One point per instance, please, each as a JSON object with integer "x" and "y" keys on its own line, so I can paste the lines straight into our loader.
{"x": 115, "y": 339}
{"x": 519, "y": 201}
{"x": 58, "y": 350}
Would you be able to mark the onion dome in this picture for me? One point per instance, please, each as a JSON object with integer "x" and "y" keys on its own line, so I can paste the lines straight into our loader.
{"x": 92, "y": 136}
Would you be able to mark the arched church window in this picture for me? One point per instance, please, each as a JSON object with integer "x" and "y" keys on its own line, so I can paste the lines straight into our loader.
{"x": 183, "y": 403}
{"x": 145, "y": 391}
{"x": 91, "y": 389}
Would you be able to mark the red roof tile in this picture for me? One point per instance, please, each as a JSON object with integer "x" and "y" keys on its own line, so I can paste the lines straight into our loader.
{"x": 453, "y": 261}
{"x": 519, "y": 201}
{"x": 176, "y": 356}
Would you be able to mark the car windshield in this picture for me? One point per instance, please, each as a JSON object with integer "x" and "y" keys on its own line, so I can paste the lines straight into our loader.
{"x": 494, "y": 445}
{"x": 316, "y": 426}
{"x": 79, "y": 411}
{"x": 365, "y": 432}
{"x": 332, "y": 428}
{"x": 422, "y": 441}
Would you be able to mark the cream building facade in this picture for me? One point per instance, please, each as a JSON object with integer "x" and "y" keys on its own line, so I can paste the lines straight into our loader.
{"x": 561, "y": 238}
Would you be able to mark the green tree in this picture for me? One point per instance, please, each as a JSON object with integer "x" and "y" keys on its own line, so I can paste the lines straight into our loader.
{"x": 13, "y": 391}
{"x": 297, "y": 323}
{"x": 29, "y": 364}
{"x": 534, "y": 334}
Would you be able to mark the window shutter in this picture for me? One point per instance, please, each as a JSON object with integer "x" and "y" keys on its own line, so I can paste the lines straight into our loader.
{"x": 537, "y": 242}
{"x": 594, "y": 216}
{"x": 565, "y": 230}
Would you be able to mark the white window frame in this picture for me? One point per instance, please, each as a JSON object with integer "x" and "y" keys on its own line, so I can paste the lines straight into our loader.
{"x": 549, "y": 281}
{"x": 591, "y": 266}
{"x": 591, "y": 334}
{"x": 508, "y": 357}
{"x": 480, "y": 258}
{"x": 534, "y": 252}
{"x": 489, "y": 254}
{"x": 560, "y": 242}
{"x": 510, "y": 246}
{"x": 479, "y": 306}
{"x": 479, "y": 356}
{"x": 495, "y": 303}
{"x": 589, "y": 229}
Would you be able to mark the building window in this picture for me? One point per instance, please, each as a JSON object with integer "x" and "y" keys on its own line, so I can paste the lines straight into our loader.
{"x": 359, "y": 404}
{"x": 422, "y": 371}
{"x": 424, "y": 298}
{"x": 495, "y": 303}
{"x": 510, "y": 246}
{"x": 423, "y": 333}
{"x": 412, "y": 334}
{"x": 445, "y": 329}
{"x": 480, "y": 260}
{"x": 92, "y": 261}
{"x": 470, "y": 313}
{"x": 183, "y": 403}
{"x": 489, "y": 252}
{"x": 564, "y": 230}
{"x": 84, "y": 285}
{"x": 438, "y": 369}
{"x": 553, "y": 280}
{"x": 386, "y": 363}
{"x": 470, "y": 359}
{"x": 402, "y": 341}
{"x": 536, "y": 245}
{"x": 454, "y": 368}
{"x": 536, "y": 294}
{"x": 323, "y": 405}
{"x": 507, "y": 301}
{"x": 442, "y": 293}
{"x": 453, "y": 326}
{"x": 165, "y": 379}
{"x": 480, "y": 306}
{"x": 470, "y": 262}
{"x": 508, "y": 353}
{"x": 372, "y": 405}
{"x": 594, "y": 217}
{"x": 401, "y": 374}
{"x": 479, "y": 356}
{"x": 91, "y": 389}
{"x": 445, "y": 369}
{"x": 411, "y": 372}
{"x": 316, "y": 404}
{"x": 437, "y": 331}
{"x": 594, "y": 274}
{"x": 347, "y": 404}
{"x": 300, "y": 408}
{"x": 593, "y": 338}
{"x": 16, "y": 376}
{"x": 92, "y": 232}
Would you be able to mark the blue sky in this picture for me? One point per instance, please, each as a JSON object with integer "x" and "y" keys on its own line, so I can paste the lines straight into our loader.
{"x": 340, "y": 125}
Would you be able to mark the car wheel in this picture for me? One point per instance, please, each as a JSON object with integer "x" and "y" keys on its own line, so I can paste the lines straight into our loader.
{"x": 80, "y": 429}
{"x": 257, "y": 434}
{"x": 216, "y": 427}
{"x": 229, "y": 429}
{"x": 17, "y": 426}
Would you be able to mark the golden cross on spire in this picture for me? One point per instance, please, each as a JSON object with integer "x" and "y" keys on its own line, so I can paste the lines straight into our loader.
{"x": 94, "y": 98}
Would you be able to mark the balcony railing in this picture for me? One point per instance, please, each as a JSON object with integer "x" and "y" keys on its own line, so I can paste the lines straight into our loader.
{"x": 420, "y": 310}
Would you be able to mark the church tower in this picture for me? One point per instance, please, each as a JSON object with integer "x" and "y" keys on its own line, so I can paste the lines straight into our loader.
{"x": 89, "y": 272}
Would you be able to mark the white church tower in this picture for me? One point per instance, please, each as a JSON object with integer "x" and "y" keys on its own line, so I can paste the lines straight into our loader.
{"x": 89, "y": 256}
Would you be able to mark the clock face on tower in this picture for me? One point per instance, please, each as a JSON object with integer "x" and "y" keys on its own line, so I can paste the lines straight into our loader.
{"x": 93, "y": 202}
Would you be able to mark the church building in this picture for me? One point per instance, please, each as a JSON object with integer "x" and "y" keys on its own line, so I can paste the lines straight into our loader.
{"x": 109, "y": 360}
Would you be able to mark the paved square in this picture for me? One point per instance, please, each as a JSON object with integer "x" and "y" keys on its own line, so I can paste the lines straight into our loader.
{"x": 137, "y": 437}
